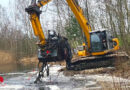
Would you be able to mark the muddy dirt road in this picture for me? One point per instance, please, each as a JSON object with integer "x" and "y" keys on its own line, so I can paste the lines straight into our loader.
{"x": 58, "y": 81}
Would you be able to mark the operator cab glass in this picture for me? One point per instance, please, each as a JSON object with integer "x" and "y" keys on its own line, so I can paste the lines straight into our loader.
{"x": 101, "y": 40}
{"x": 98, "y": 41}
{"x": 80, "y": 48}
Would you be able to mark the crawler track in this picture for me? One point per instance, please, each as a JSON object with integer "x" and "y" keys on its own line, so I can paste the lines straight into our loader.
{"x": 96, "y": 62}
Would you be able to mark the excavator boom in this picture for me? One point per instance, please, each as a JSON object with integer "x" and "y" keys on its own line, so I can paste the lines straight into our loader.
{"x": 78, "y": 12}
{"x": 105, "y": 42}
{"x": 34, "y": 12}
{"x": 34, "y": 17}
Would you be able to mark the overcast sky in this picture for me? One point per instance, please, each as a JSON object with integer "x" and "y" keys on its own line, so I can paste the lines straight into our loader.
{"x": 4, "y": 3}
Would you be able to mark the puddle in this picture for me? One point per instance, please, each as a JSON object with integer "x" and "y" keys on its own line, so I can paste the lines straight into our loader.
{"x": 56, "y": 81}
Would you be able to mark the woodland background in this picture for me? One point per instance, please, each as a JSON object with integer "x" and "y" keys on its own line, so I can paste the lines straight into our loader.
{"x": 16, "y": 34}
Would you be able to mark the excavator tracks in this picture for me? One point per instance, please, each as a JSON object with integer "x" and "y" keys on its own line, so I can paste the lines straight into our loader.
{"x": 83, "y": 63}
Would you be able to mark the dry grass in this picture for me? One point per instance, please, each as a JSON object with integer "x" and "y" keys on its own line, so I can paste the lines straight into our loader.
{"x": 114, "y": 86}
{"x": 34, "y": 60}
{"x": 6, "y": 58}
{"x": 122, "y": 68}
{"x": 7, "y": 62}
{"x": 28, "y": 61}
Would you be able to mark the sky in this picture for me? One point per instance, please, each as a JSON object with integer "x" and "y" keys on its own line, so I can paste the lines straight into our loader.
{"x": 47, "y": 16}
{"x": 4, "y": 3}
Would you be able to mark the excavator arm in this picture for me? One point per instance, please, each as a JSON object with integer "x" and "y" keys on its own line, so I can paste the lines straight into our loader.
{"x": 34, "y": 12}
{"x": 78, "y": 12}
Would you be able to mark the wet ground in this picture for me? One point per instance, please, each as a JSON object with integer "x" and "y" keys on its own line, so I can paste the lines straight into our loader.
{"x": 58, "y": 81}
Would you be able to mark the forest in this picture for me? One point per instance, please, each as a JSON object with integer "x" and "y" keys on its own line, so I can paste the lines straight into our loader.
{"x": 20, "y": 49}
{"x": 17, "y": 37}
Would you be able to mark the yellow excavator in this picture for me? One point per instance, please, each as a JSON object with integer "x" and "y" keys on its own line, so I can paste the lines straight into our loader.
{"x": 56, "y": 47}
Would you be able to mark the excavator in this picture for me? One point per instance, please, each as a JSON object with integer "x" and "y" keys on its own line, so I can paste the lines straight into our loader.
{"x": 56, "y": 47}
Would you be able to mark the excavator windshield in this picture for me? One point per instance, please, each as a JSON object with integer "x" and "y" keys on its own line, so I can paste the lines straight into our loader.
{"x": 96, "y": 41}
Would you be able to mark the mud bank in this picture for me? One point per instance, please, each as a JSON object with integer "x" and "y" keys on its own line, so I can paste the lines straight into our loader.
{"x": 58, "y": 81}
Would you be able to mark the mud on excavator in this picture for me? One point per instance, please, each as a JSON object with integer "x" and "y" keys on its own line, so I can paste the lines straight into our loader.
{"x": 97, "y": 44}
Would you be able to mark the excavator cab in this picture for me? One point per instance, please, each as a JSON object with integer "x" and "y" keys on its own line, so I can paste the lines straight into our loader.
{"x": 102, "y": 42}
